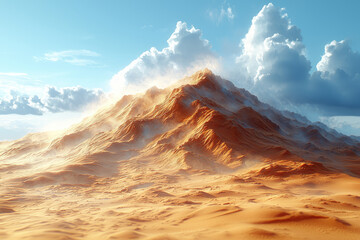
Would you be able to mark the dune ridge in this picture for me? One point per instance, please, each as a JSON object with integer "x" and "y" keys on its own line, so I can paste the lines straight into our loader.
{"x": 201, "y": 159}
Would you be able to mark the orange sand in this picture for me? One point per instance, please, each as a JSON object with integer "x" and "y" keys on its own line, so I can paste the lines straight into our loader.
{"x": 199, "y": 160}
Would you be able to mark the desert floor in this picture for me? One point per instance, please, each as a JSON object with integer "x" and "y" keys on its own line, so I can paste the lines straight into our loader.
{"x": 150, "y": 202}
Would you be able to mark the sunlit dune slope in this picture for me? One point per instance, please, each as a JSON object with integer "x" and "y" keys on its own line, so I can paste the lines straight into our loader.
{"x": 201, "y": 159}
{"x": 202, "y": 122}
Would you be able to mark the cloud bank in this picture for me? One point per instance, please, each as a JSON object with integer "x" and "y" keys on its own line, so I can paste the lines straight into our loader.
{"x": 186, "y": 52}
{"x": 336, "y": 83}
{"x": 273, "y": 58}
{"x": 54, "y": 100}
{"x": 272, "y": 50}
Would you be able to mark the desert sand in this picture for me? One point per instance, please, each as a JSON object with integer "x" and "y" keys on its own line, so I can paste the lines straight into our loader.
{"x": 198, "y": 160}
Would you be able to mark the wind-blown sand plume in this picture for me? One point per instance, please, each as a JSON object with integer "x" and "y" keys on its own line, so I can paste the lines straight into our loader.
{"x": 201, "y": 159}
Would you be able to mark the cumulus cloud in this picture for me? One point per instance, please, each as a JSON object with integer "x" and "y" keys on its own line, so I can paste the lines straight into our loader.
{"x": 54, "y": 100}
{"x": 18, "y": 104}
{"x": 339, "y": 56}
{"x": 76, "y": 57}
{"x": 272, "y": 51}
{"x": 336, "y": 83}
{"x": 186, "y": 52}
{"x": 273, "y": 59}
{"x": 70, "y": 98}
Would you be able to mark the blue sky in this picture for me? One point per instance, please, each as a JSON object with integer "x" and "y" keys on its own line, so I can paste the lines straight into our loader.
{"x": 119, "y": 31}
{"x": 62, "y": 44}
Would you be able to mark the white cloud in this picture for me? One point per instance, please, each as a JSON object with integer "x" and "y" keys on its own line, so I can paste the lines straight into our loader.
{"x": 185, "y": 53}
{"x": 272, "y": 49}
{"x": 273, "y": 58}
{"x": 339, "y": 56}
{"x": 54, "y": 100}
{"x": 336, "y": 83}
{"x": 19, "y": 104}
{"x": 76, "y": 57}
{"x": 70, "y": 98}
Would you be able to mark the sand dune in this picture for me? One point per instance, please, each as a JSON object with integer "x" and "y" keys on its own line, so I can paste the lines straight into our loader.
{"x": 198, "y": 160}
{"x": 149, "y": 205}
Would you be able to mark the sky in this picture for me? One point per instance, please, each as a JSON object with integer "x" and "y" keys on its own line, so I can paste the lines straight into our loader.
{"x": 57, "y": 57}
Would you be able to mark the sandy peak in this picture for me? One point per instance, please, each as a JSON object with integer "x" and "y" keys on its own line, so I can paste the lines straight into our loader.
{"x": 199, "y": 78}
{"x": 202, "y": 76}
